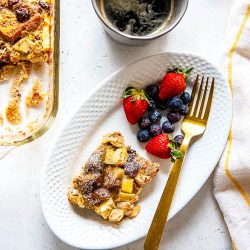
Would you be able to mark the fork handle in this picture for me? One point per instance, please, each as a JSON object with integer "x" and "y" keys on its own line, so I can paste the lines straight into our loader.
{"x": 153, "y": 237}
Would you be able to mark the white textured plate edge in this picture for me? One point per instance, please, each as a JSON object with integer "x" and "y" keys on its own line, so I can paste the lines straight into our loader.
{"x": 78, "y": 108}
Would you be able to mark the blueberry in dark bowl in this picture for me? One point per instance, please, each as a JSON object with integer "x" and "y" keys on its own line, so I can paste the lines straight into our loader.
{"x": 143, "y": 135}
{"x": 151, "y": 105}
{"x": 144, "y": 123}
{"x": 168, "y": 127}
{"x": 155, "y": 130}
{"x": 184, "y": 110}
{"x": 152, "y": 90}
{"x": 175, "y": 103}
{"x": 173, "y": 116}
{"x": 155, "y": 116}
{"x": 179, "y": 139}
{"x": 185, "y": 97}
{"x": 161, "y": 104}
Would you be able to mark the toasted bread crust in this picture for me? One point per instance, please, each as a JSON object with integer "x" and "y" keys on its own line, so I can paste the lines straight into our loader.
{"x": 13, "y": 35}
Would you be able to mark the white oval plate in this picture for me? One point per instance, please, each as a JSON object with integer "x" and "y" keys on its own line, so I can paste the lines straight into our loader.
{"x": 102, "y": 112}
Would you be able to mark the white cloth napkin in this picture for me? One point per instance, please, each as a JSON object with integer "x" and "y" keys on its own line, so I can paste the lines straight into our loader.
{"x": 232, "y": 176}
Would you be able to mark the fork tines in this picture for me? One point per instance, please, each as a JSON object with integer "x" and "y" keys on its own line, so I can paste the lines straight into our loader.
{"x": 201, "y": 99}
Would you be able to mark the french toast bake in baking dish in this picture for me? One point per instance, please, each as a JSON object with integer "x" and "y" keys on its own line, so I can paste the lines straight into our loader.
{"x": 29, "y": 37}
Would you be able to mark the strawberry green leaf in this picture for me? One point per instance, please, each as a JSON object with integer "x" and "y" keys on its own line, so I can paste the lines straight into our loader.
{"x": 176, "y": 69}
{"x": 129, "y": 88}
{"x": 136, "y": 93}
{"x": 172, "y": 141}
{"x": 145, "y": 97}
{"x": 174, "y": 152}
{"x": 188, "y": 71}
{"x": 128, "y": 92}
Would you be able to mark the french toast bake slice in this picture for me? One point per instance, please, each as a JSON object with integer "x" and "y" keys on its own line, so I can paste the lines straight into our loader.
{"x": 111, "y": 180}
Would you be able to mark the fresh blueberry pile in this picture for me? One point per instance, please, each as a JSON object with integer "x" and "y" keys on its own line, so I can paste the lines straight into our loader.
{"x": 173, "y": 108}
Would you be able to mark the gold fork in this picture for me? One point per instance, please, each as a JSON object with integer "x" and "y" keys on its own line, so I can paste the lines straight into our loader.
{"x": 193, "y": 125}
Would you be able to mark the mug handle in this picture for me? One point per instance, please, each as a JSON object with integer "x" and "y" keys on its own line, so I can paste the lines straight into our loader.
{"x": 4, "y": 150}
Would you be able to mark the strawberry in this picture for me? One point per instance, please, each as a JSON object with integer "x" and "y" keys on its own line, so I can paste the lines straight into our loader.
{"x": 164, "y": 147}
{"x": 173, "y": 83}
{"x": 135, "y": 104}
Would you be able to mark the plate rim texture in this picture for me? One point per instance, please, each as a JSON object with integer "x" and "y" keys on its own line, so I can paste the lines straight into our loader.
{"x": 49, "y": 171}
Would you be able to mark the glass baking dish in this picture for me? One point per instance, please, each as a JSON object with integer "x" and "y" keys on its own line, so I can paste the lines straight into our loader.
{"x": 39, "y": 120}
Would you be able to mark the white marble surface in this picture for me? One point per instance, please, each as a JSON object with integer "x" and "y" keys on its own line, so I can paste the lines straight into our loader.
{"x": 87, "y": 56}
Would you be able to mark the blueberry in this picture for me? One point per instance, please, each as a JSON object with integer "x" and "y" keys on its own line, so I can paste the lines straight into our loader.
{"x": 175, "y": 103}
{"x": 144, "y": 123}
{"x": 12, "y": 2}
{"x": 22, "y": 15}
{"x": 44, "y": 5}
{"x": 155, "y": 130}
{"x": 151, "y": 105}
{"x": 152, "y": 90}
{"x": 179, "y": 139}
{"x": 155, "y": 116}
{"x": 168, "y": 127}
{"x": 143, "y": 135}
{"x": 162, "y": 105}
{"x": 184, "y": 110}
{"x": 186, "y": 97}
{"x": 173, "y": 116}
